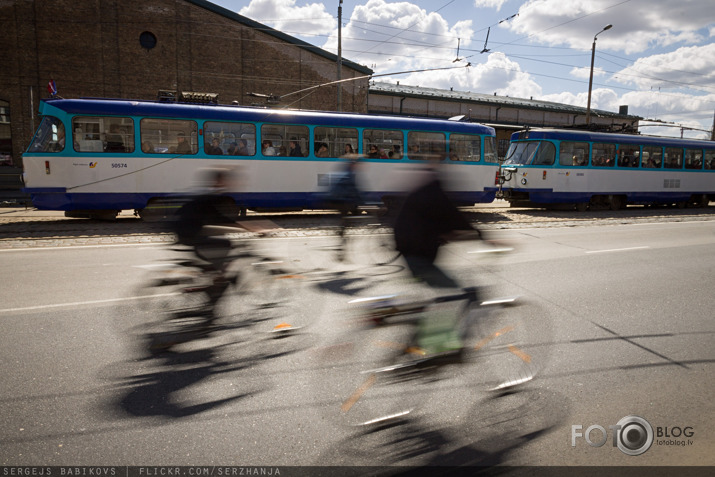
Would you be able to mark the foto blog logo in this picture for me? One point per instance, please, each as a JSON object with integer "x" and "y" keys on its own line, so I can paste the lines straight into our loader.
{"x": 633, "y": 435}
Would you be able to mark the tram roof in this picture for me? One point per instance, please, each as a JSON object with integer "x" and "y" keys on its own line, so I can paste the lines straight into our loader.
{"x": 578, "y": 135}
{"x": 159, "y": 109}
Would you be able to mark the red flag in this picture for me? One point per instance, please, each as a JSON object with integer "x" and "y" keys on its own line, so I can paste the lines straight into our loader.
{"x": 52, "y": 87}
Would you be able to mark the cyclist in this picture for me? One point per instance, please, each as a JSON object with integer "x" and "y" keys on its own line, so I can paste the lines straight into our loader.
{"x": 195, "y": 227}
{"x": 344, "y": 195}
{"x": 426, "y": 220}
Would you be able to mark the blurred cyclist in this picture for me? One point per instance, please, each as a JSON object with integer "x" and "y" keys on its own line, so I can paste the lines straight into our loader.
{"x": 426, "y": 220}
{"x": 344, "y": 196}
{"x": 206, "y": 209}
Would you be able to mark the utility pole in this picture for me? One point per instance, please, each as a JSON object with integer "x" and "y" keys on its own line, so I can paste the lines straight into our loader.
{"x": 340, "y": 54}
{"x": 590, "y": 78}
{"x": 712, "y": 134}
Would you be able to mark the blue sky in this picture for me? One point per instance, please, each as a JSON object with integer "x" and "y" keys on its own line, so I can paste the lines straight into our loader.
{"x": 658, "y": 58}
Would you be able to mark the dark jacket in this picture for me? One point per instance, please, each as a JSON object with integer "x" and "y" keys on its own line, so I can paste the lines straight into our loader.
{"x": 198, "y": 212}
{"x": 426, "y": 215}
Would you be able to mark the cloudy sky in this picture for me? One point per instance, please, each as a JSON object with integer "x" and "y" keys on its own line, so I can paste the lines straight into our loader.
{"x": 658, "y": 58}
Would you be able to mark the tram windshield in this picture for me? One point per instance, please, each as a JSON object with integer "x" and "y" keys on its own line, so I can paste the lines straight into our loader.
{"x": 50, "y": 136}
{"x": 521, "y": 153}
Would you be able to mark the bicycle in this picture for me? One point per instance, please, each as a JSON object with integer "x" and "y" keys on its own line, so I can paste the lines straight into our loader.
{"x": 190, "y": 304}
{"x": 400, "y": 357}
{"x": 364, "y": 237}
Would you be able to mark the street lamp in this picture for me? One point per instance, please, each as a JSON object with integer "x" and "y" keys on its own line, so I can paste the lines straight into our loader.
{"x": 590, "y": 78}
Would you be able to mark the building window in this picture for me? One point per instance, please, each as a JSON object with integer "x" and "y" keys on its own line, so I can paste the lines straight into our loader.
{"x": 147, "y": 40}
{"x": 5, "y": 136}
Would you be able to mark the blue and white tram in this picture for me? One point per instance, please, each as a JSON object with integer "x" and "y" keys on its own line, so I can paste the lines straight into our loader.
{"x": 547, "y": 167}
{"x": 95, "y": 157}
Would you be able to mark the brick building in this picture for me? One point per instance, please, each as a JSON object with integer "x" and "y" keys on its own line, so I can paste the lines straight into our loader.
{"x": 132, "y": 49}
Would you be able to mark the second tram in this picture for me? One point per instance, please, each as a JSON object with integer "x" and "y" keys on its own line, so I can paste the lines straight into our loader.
{"x": 549, "y": 167}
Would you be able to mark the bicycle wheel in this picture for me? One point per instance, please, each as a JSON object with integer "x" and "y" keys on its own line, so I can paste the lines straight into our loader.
{"x": 361, "y": 378}
{"x": 271, "y": 295}
{"x": 509, "y": 341}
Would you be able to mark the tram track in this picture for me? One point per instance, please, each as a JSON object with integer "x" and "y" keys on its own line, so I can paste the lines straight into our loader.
{"x": 30, "y": 228}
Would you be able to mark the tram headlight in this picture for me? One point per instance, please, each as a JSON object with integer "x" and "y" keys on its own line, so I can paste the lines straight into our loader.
{"x": 523, "y": 181}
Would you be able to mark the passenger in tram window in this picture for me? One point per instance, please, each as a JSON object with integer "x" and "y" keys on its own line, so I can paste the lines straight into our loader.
{"x": 294, "y": 149}
{"x": 349, "y": 149}
{"x": 268, "y": 149}
{"x": 242, "y": 148}
{"x": 321, "y": 150}
{"x": 115, "y": 142}
{"x": 182, "y": 145}
{"x": 214, "y": 148}
{"x": 395, "y": 153}
{"x": 282, "y": 151}
{"x": 374, "y": 152}
{"x": 231, "y": 151}
{"x": 147, "y": 147}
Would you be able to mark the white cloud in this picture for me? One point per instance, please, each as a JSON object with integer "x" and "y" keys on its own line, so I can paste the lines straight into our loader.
{"x": 584, "y": 72}
{"x": 496, "y": 4}
{"x": 498, "y": 75}
{"x": 637, "y": 24}
{"x": 688, "y": 67}
{"x": 284, "y": 15}
{"x": 399, "y": 35}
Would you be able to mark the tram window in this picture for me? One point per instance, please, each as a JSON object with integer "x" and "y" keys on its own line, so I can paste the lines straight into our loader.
{"x": 382, "y": 143}
{"x": 673, "y": 158}
{"x": 709, "y": 161}
{"x": 102, "y": 134}
{"x": 693, "y": 158}
{"x": 603, "y": 155}
{"x": 546, "y": 155}
{"x": 521, "y": 152}
{"x": 50, "y": 136}
{"x": 652, "y": 157}
{"x": 490, "y": 149}
{"x": 628, "y": 155}
{"x": 168, "y": 136}
{"x": 573, "y": 154}
{"x": 334, "y": 142}
{"x": 465, "y": 147}
{"x": 291, "y": 141}
{"x": 234, "y": 139}
{"x": 426, "y": 146}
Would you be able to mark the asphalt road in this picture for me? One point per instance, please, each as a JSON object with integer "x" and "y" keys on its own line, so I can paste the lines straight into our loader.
{"x": 629, "y": 333}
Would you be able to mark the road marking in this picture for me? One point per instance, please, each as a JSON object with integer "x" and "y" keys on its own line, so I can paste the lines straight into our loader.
{"x": 80, "y": 303}
{"x": 618, "y": 249}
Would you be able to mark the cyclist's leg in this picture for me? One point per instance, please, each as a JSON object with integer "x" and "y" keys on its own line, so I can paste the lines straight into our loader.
{"x": 215, "y": 250}
{"x": 438, "y": 330}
